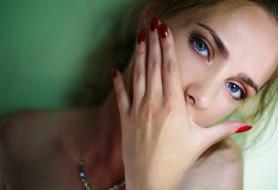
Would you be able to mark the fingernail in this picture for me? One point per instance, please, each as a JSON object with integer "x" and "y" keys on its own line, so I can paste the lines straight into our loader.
{"x": 154, "y": 24}
{"x": 244, "y": 129}
{"x": 164, "y": 30}
{"x": 115, "y": 73}
{"x": 141, "y": 37}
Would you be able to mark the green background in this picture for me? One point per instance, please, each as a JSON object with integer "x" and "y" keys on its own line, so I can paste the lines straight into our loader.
{"x": 44, "y": 46}
{"x": 43, "y": 50}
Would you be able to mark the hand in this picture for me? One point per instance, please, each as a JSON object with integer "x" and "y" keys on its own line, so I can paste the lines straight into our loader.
{"x": 159, "y": 139}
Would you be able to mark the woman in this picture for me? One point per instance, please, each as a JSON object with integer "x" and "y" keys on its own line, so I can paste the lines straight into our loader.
{"x": 196, "y": 69}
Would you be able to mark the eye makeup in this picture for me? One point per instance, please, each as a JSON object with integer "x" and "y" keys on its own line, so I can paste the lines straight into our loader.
{"x": 217, "y": 40}
{"x": 198, "y": 41}
{"x": 201, "y": 45}
{"x": 234, "y": 88}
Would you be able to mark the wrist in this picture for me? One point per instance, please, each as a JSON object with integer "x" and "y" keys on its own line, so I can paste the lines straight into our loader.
{"x": 167, "y": 181}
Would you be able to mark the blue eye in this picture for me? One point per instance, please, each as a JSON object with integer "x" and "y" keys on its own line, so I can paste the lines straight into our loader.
{"x": 236, "y": 91}
{"x": 200, "y": 46}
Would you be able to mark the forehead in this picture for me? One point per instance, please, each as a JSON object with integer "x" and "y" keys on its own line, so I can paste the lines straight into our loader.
{"x": 251, "y": 36}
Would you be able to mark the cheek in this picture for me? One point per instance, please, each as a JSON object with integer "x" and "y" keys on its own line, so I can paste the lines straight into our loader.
{"x": 220, "y": 105}
{"x": 215, "y": 113}
{"x": 190, "y": 63}
{"x": 192, "y": 67}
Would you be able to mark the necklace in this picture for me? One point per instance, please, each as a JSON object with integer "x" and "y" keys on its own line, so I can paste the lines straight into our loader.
{"x": 86, "y": 184}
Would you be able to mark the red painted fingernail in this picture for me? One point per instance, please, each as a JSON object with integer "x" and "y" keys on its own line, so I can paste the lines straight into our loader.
{"x": 164, "y": 30}
{"x": 154, "y": 24}
{"x": 115, "y": 73}
{"x": 244, "y": 129}
{"x": 141, "y": 37}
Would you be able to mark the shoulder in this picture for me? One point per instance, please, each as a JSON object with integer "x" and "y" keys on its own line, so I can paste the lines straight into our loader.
{"x": 21, "y": 117}
{"x": 20, "y": 120}
{"x": 32, "y": 133}
{"x": 223, "y": 161}
{"x": 22, "y": 129}
{"x": 14, "y": 123}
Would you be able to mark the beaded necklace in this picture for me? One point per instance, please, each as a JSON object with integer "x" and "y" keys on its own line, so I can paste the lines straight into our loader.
{"x": 86, "y": 184}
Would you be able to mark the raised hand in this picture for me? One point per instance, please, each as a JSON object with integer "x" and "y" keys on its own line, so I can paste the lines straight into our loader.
{"x": 159, "y": 139}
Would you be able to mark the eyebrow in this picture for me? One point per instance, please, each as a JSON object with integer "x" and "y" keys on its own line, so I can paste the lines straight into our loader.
{"x": 247, "y": 80}
{"x": 225, "y": 53}
{"x": 220, "y": 45}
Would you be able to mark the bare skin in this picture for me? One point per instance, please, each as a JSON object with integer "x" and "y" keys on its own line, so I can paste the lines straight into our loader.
{"x": 223, "y": 161}
{"x": 51, "y": 162}
{"x": 207, "y": 70}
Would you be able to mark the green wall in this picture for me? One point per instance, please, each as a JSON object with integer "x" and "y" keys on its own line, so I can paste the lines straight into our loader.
{"x": 43, "y": 50}
{"x": 44, "y": 46}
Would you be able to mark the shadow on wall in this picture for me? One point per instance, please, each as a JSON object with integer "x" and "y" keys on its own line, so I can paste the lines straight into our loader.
{"x": 114, "y": 51}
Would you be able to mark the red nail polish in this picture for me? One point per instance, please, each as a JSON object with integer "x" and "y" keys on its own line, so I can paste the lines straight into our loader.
{"x": 164, "y": 30}
{"x": 244, "y": 129}
{"x": 115, "y": 73}
{"x": 141, "y": 37}
{"x": 154, "y": 24}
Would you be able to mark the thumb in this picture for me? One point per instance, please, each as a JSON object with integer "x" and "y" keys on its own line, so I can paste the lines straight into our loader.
{"x": 226, "y": 129}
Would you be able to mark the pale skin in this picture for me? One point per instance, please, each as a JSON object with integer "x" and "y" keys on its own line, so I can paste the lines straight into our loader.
{"x": 50, "y": 162}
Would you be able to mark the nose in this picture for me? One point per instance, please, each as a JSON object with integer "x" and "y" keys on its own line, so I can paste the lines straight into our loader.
{"x": 190, "y": 99}
{"x": 201, "y": 95}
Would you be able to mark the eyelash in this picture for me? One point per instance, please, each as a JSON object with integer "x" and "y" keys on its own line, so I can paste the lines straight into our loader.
{"x": 196, "y": 38}
{"x": 243, "y": 94}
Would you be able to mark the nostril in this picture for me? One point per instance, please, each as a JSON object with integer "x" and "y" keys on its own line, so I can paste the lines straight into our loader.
{"x": 190, "y": 99}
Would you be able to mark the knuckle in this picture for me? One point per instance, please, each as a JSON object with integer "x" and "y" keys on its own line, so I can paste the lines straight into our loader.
{"x": 135, "y": 109}
{"x": 154, "y": 39}
{"x": 120, "y": 90}
{"x": 173, "y": 62}
{"x": 167, "y": 45}
{"x": 168, "y": 107}
{"x": 148, "y": 109}
{"x": 137, "y": 74}
{"x": 169, "y": 65}
{"x": 153, "y": 62}
{"x": 140, "y": 50}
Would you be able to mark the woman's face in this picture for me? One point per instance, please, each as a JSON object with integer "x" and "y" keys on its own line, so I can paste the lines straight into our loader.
{"x": 224, "y": 59}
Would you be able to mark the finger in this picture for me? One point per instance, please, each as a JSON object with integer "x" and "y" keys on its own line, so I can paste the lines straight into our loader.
{"x": 154, "y": 82}
{"x": 139, "y": 72}
{"x": 170, "y": 69}
{"x": 121, "y": 93}
{"x": 221, "y": 131}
